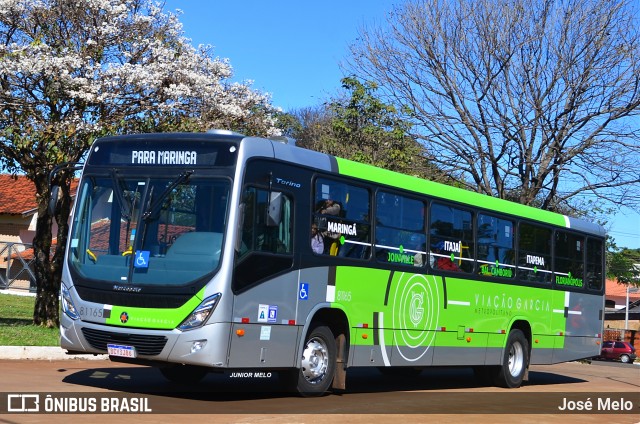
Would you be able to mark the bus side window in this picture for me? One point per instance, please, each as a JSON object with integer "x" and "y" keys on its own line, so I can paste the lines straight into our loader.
{"x": 400, "y": 233}
{"x": 534, "y": 253}
{"x": 341, "y": 215}
{"x": 264, "y": 237}
{"x": 452, "y": 242}
{"x": 496, "y": 247}
{"x": 569, "y": 259}
{"x": 594, "y": 264}
{"x": 265, "y": 222}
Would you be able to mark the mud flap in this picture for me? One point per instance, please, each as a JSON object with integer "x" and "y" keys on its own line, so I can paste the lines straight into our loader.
{"x": 340, "y": 376}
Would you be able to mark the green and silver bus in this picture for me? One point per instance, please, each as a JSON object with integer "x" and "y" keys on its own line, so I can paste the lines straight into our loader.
{"x": 206, "y": 252}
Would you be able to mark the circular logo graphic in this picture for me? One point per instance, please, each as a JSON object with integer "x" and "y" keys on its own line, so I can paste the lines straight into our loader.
{"x": 416, "y": 308}
{"x": 124, "y": 317}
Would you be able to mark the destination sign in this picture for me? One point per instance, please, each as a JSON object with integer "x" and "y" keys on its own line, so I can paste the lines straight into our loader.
{"x": 121, "y": 151}
{"x": 164, "y": 157}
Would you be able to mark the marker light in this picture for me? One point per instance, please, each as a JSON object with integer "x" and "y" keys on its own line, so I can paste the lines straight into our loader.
{"x": 199, "y": 316}
{"x": 67, "y": 303}
{"x": 198, "y": 345}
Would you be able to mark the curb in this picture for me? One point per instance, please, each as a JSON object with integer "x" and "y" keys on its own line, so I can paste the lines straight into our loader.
{"x": 43, "y": 353}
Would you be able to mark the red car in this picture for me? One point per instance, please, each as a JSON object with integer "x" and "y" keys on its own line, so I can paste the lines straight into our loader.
{"x": 623, "y": 351}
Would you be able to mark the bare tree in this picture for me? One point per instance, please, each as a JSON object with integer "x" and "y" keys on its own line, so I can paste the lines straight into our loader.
{"x": 534, "y": 101}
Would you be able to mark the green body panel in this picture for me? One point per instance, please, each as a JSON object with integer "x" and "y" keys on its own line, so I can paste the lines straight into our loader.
{"x": 413, "y": 310}
{"x": 431, "y": 188}
{"x": 154, "y": 318}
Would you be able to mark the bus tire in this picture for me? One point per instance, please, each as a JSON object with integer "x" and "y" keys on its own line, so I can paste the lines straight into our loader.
{"x": 514, "y": 362}
{"x": 318, "y": 363}
{"x": 183, "y": 374}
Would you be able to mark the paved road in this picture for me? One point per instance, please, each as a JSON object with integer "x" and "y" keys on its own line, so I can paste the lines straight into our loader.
{"x": 370, "y": 397}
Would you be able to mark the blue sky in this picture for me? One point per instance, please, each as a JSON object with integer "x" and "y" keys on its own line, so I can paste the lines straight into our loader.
{"x": 290, "y": 49}
{"x": 293, "y": 50}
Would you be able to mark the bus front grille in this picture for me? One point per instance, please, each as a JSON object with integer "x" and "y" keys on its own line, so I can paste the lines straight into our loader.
{"x": 144, "y": 344}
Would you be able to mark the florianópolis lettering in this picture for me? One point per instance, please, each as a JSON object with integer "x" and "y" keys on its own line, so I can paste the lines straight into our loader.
{"x": 568, "y": 281}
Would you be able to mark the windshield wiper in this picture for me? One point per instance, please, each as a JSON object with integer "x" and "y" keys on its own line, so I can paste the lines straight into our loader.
{"x": 157, "y": 202}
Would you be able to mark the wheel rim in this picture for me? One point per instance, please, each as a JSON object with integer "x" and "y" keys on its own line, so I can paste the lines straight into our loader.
{"x": 315, "y": 361}
{"x": 625, "y": 359}
{"x": 516, "y": 359}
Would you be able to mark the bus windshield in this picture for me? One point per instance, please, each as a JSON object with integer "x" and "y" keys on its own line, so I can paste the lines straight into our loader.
{"x": 160, "y": 231}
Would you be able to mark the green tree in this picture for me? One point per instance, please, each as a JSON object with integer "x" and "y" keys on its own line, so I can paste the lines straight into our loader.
{"x": 623, "y": 265}
{"x": 360, "y": 126}
{"x": 71, "y": 72}
{"x": 371, "y": 131}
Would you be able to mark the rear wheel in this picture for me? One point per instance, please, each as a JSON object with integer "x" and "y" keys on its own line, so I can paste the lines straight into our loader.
{"x": 514, "y": 362}
{"x": 625, "y": 359}
{"x": 184, "y": 374}
{"x": 318, "y": 362}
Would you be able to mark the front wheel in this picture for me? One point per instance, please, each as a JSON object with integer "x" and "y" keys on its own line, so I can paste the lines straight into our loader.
{"x": 318, "y": 363}
{"x": 514, "y": 362}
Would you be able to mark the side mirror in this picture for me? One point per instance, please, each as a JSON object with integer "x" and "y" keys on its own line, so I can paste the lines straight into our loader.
{"x": 53, "y": 200}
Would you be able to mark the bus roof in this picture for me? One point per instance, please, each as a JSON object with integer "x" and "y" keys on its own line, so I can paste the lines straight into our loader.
{"x": 442, "y": 191}
{"x": 255, "y": 146}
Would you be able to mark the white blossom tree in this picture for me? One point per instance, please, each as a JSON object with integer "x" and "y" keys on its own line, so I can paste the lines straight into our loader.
{"x": 72, "y": 70}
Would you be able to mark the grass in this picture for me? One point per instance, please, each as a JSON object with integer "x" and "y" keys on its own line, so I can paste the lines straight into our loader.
{"x": 16, "y": 323}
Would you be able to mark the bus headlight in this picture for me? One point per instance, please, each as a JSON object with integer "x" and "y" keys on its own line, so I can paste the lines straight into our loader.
{"x": 201, "y": 314}
{"x": 67, "y": 303}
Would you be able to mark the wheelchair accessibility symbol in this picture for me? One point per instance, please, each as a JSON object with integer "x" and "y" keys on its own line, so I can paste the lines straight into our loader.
{"x": 303, "y": 291}
{"x": 142, "y": 259}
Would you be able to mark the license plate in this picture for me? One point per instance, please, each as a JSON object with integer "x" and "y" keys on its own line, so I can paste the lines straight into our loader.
{"x": 121, "y": 350}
